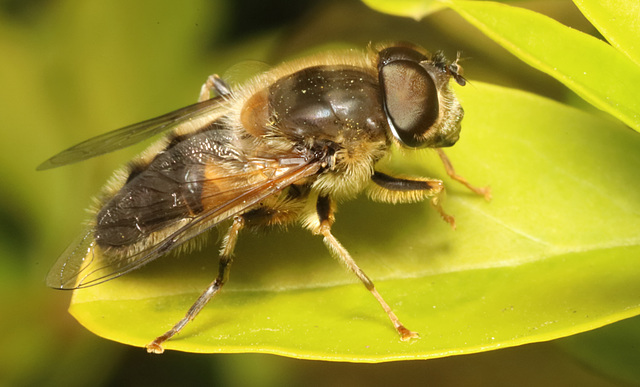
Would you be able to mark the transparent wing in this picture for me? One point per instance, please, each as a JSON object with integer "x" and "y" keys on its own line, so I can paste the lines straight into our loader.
{"x": 84, "y": 264}
{"x": 200, "y": 113}
{"x": 241, "y": 72}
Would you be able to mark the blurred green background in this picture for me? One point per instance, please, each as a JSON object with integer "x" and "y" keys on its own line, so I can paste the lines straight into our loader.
{"x": 71, "y": 70}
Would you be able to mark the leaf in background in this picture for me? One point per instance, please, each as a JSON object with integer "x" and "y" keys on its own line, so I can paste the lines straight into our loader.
{"x": 590, "y": 67}
{"x": 69, "y": 70}
{"x": 618, "y": 21}
{"x": 555, "y": 253}
{"x": 410, "y": 8}
{"x": 613, "y": 350}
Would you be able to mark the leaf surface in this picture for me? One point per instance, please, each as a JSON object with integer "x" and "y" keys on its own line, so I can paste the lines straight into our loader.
{"x": 618, "y": 21}
{"x": 553, "y": 254}
{"x": 596, "y": 71}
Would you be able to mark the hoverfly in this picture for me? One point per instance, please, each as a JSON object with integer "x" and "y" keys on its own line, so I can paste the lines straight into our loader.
{"x": 283, "y": 147}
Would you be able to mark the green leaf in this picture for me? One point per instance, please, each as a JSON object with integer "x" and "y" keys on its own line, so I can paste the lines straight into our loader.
{"x": 410, "y": 8}
{"x": 618, "y": 21}
{"x": 555, "y": 253}
{"x": 599, "y": 73}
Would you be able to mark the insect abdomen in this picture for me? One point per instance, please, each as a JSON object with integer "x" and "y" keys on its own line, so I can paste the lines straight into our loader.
{"x": 161, "y": 193}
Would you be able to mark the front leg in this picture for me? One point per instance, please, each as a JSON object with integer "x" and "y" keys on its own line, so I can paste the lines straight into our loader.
{"x": 484, "y": 191}
{"x": 394, "y": 190}
{"x": 325, "y": 209}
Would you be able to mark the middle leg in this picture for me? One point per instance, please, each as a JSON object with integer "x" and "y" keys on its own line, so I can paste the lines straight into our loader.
{"x": 325, "y": 211}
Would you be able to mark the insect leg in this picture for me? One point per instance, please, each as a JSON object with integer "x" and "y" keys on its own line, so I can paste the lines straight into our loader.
{"x": 393, "y": 190}
{"x": 484, "y": 191}
{"x": 325, "y": 209}
{"x": 226, "y": 255}
{"x": 215, "y": 83}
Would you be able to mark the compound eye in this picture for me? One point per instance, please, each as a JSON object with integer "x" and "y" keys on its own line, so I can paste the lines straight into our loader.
{"x": 410, "y": 100}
